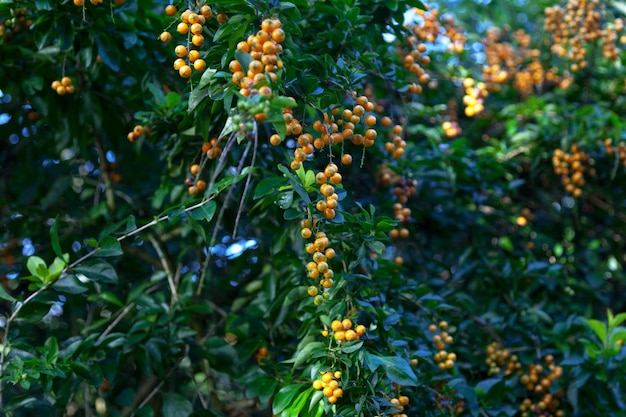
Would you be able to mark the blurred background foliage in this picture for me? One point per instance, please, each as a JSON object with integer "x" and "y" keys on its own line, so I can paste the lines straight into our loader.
{"x": 483, "y": 249}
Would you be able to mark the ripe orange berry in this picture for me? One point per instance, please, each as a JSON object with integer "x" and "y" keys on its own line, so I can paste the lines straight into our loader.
{"x": 66, "y": 81}
{"x": 360, "y": 330}
{"x": 346, "y": 324}
{"x": 197, "y": 40}
{"x": 370, "y": 120}
{"x": 351, "y": 335}
{"x": 138, "y": 130}
{"x": 170, "y": 10}
{"x": 61, "y": 90}
{"x": 185, "y": 71}
{"x": 222, "y": 18}
{"x": 336, "y": 325}
{"x": 398, "y": 260}
{"x": 278, "y": 35}
{"x": 196, "y": 28}
{"x": 339, "y": 335}
{"x": 201, "y": 185}
{"x": 346, "y": 159}
{"x": 182, "y": 28}
{"x": 165, "y": 37}
{"x": 180, "y": 51}
{"x": 317, "y": 384}
{"x": 312, "y": 291}
{"x": 329, "y": 214}
{"x": 194, "y": 169}
{"x": 179, "y": 63}
{"x": 199, "y": 65}
{"x": 194, "y": 55}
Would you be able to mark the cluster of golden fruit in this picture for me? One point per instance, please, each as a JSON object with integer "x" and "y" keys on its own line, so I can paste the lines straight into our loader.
{"x": 451, "y": 128}
{"x": 63, "y": 86}
{"x": 572, "y": 167}
{"x": 191, "y": 25}
{"x": 15, "y": 24}
{"x": 539, "y": 380}
{"x": 319, "y": 267}
{"x": 345, "y": 331}
{"x": 137, "y": 132}
{"x": 399, "y": 404}
{"x": 454, "y": 33}
{"x": 517, "y": 61}
{"x": 209, "y": 150}
{"x": 444, "y": 359}
{"x": 580, "y": 23}
{"x": 81, "y": 3}
{"x": 413, "y": 61}
{"x": 499, "y": 357}
{"x": 329, "y": 385}
{"x": 396, "y": 146}
{"x": 619, "y": 150}
{"x": 264, "y": 48}
{"x": 474, "y": 97}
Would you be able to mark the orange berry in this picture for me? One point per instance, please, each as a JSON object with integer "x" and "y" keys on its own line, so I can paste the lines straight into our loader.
{"x": 222, "y": 18}
{"x": 194, "y": 169}
{"x": 201, "y": 185}
{"x": 170, "y": 10}
{"x": 278, "y": 35}
{"x": 165, "y": 37}
{"x": 196, "y": 29}
{"x": 66, "y": 81}
{"x": 138, "y": 130}
{"x": 180, "y": 51}
{"x": 336, "y": 325}
{"x": 346, "y": 324}
{"x": 61, "y": 90}
{"x": 185, "y": 71}
{"x": 346, "y": 159}
{"x": 197, "y": 40}
{"x": 199, "y": 65}
{"x": 182, "y": 28}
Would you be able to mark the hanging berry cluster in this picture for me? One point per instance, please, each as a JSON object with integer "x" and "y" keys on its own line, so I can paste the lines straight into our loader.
{"x": 444, "y": 359}
{"x": 498, "y": 357}
{"x": 329, "y": 385}
{"x": 191, "y": 25}
{"x": 261, "y": 72}
{"x": 571, "y": 167}
{"x": 64, "y": 86}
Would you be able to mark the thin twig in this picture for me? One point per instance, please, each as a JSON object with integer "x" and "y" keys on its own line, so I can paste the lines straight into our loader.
{"x": 114, "y": 323}
{"x": 166, "y": 266}
{"x": 245, "y": 188}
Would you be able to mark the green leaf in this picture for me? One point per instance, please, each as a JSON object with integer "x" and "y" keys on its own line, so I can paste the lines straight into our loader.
{"x": 98, "y": 270}
{"x": 69, "y": 284}
{"x": 4, "y": 295}
{"x": 109, "y": 246}
{"x": 110, "y": 54}
{"x": 57, "y": 266}
{"x": 175, "y": 405}
{"x": 206, "y": 78}
{"x": 51, "y": 349}
{"x": 599, "y": 328}
{"x": 267, "y": 186}
{"x": 396, "y": 369}
{"x": 284, "y": 396}
{"x": 205, "y": 211}
{"x": 493, "y": 390}
{"x": 54, "y": 238}
{"x": 37, "y": 267}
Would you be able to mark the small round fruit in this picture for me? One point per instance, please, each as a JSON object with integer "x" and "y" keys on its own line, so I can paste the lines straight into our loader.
{"x": 165, "y": 37}
{"x": 346, "y": 159}
{"x": 181, "y": 51}
{"x": 199, "y": 65}
{"x": 194, "y": 169}
{"x": 61, "y": 90}
{"x": 170, "y": 10}
{"x": 138, "y": 130}
{"x": 182, "y": 28}
{"x": 312, "y": 291}
{"x": 66, "y": 81}
{"x": 185, "y": 71}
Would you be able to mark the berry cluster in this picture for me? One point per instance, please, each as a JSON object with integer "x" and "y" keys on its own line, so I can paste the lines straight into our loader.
{"x": 572, "y": 167}
{"x": 209, "y": 150}
{"x": 137, "y": 132}
{"x": 264, "y": 49}
{"x": 399, "y": 403}
{"x": 64, "y": 86}
{"x": 474, "y": 97}
{"x": 580, "y": 23}
{"x": 451, "y": 128}
{"x": 444, "y": 359}
{"x": 18, "y": 22}
{"x": 397, "y": 146}
{"x": 539, "y": 380}
{"x": 192, "y": 25}
{"x": 250, "y": 112}
{"x": 498, "y": 357}
{"x": 318, "y": 268}
{"x": 329, "y": 385}
{"x": 343, "y": 330}
{"x": 413, "y": 61}
{"x": 619, "y": 150}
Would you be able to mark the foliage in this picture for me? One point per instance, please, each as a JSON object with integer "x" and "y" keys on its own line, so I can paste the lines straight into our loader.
{"x": 312, "y": 208}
